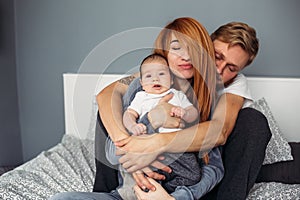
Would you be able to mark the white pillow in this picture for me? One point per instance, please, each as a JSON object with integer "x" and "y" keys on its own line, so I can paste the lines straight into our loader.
{"x": 278, "y": 148}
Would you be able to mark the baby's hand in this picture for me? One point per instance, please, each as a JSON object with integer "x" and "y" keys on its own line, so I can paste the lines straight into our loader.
{"x": 138, "y": 129}
{"x": 177, "y": 111}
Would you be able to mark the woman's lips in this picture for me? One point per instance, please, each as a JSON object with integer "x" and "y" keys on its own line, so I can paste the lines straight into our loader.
{"x": 186, "y": 66}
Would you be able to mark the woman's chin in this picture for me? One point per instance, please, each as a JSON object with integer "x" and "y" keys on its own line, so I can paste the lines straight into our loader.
{"x": 184, "y": 74}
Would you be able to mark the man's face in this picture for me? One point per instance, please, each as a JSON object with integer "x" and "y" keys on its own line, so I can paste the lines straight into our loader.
{"x": 229, "y": 60}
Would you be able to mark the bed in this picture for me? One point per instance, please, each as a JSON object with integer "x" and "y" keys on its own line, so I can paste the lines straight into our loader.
{"x": 69, "y": 165}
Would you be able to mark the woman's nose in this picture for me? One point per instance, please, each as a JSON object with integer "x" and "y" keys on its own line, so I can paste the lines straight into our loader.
{"x": 185, "y": 55}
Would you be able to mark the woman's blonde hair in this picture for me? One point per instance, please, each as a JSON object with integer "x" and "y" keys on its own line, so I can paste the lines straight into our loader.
{"x": 201, "y": 51}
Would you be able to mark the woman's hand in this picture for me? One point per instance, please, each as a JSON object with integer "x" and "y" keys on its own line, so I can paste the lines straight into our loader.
{"x": 139, "y": 151}
{"x": 159, "y": 193}
{"x": 143, "y": 182}
{"x": 160, "y": 115}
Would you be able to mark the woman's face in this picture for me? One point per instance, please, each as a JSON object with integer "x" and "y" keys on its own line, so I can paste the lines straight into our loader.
{"x": 179, "y": 59}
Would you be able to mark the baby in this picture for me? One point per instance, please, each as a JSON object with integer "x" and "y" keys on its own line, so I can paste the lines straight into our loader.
{"x": 156, "y": 80}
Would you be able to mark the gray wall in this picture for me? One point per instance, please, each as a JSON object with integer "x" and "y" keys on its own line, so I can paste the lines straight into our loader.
{"x": 10, "y": 137}
{"x": 55, "y": 36}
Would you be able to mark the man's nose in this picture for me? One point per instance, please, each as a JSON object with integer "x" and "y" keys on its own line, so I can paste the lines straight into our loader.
{"x": 220, "y": 67}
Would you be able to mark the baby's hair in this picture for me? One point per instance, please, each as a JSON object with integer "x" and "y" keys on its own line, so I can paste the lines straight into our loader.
{"x": 151, "y": 58}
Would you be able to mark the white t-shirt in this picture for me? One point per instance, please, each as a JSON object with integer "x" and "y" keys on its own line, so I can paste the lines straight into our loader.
{"x": 144, "y": 102}
{"x": 239, "y": 87}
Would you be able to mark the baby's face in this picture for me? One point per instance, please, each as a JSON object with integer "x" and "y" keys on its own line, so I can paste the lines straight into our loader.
{"x": 156, "y": 77}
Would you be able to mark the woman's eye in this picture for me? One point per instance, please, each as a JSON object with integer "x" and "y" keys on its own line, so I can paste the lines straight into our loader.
{"x": 175, "y": 48}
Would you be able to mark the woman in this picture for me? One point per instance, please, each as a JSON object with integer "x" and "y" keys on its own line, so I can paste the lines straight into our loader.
{"x": 189, "y": 50}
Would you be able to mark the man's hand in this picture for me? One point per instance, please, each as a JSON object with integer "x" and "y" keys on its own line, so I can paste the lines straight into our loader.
{"x": 138, "y": 151}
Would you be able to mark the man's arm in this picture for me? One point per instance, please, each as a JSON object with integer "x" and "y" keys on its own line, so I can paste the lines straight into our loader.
{"x": 200, "y": 137}
{"x": 191, "y": 114}
{"x": 209, "y": 134}
{"x": 110, "y": 107}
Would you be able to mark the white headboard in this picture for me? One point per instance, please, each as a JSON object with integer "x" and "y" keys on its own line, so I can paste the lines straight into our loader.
{"x": 80, "y": 104}
{"x": 282, "y": 95}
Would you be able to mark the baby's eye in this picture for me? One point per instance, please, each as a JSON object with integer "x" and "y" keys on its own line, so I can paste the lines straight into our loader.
{"x": 148, "y": 76}
{"x": 162, "y": 73}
